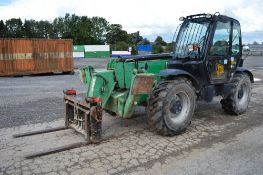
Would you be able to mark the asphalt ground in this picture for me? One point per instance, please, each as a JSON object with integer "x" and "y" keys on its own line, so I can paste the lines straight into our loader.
{"x": 215, "y": 143}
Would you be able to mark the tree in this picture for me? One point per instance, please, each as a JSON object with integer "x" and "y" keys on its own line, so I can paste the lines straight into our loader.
{"x": 78, "y": 28}
{"x": 83, "y": 31}
{"x": 159, "y": 41}
{"x": 121, "y": 45}
{"x": 158, "y": 45}
{"x": 3, "y": 29}
{"x": 30, "y": 29}
{"x": 157, "y": 49}
{"x": 44, "y": 29}
{"x": 58, "y": 27}
{"x": 170, "y": 47}
{"x": 100, "y": 27}
{"x": 116, "y": 34}
{"x": 14, "y": 28}
{"x": 134, "y": 38}
{"x": 73, "y": 25}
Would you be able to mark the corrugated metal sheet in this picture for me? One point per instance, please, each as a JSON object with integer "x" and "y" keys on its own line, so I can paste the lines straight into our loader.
{"x": 78, "y": 54}
{"x": 33, "y": 56}
{"x": 92, "y": 48}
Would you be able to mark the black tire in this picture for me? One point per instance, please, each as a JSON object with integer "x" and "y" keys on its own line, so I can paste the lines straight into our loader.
{"x": 171, "y": 106}
{"x": 238, "y": 100}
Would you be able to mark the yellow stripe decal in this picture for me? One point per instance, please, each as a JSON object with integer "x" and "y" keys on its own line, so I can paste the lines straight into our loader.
{"x": 43, "y": 55}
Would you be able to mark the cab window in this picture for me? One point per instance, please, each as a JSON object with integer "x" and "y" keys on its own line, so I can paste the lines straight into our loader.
{"x": 220, "y": 43}
{"x": 236, "y": 40}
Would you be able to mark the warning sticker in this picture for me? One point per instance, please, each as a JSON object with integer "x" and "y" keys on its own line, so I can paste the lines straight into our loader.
{"x": 220, "y": 69}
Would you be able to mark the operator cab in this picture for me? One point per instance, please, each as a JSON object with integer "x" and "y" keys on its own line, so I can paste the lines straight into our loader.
{"x": 208, "y": 47}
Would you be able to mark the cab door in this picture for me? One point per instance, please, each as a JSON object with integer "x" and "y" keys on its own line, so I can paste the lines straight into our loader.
{"x": 219, "y": 53}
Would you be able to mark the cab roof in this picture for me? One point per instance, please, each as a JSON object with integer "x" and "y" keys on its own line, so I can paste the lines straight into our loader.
{"x": 215, "y": 17}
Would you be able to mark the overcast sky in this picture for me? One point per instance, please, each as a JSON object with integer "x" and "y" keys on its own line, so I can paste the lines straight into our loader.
{"x": 150, "y": 17}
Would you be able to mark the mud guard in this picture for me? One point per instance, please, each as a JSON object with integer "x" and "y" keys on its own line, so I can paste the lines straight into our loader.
{"x": 248, "y": 72}
{"x": 177, "y": 72}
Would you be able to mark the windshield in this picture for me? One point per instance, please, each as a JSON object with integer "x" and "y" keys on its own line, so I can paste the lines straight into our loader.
{"x": 191, "y": 39}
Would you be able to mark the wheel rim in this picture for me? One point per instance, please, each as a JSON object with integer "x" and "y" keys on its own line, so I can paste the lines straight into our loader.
{"x": 179, "y": 107}
{"x": 242, "y": 94}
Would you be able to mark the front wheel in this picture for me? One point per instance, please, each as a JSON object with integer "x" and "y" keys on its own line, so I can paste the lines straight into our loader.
{"x": 171, "y": 106}
{"x": 237, "y": 101}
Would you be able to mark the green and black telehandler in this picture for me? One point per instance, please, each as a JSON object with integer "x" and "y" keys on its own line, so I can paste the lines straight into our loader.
{"x": 206, "y": 62}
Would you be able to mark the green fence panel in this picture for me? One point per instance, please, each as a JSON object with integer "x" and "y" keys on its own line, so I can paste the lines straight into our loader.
{"x": 78, "y": 48}
{"x": 97, "y": 54}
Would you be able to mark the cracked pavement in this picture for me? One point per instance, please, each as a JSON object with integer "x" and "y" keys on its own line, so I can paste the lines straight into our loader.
{"x": 129, "y": 147}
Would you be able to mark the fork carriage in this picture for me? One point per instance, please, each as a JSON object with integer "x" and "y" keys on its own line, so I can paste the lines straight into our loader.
{"x": 84, "y": 116}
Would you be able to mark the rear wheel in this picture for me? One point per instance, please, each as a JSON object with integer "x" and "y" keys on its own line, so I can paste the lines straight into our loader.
{"x": 237, "y": 101}
{"x": 171, "y": 106}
